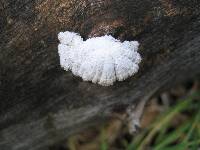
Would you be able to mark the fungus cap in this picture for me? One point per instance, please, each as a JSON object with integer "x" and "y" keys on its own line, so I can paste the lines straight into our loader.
{"x": 102, "y": 60}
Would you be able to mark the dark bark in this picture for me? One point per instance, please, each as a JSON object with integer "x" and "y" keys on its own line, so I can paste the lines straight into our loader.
{"x": 41, "y": 104}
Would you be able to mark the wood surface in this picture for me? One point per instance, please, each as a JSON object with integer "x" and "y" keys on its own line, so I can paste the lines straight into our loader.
{"x": 41, "y": 104}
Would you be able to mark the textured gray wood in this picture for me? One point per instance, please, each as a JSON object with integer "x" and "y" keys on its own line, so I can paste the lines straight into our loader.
{"x": 41, "y": 104}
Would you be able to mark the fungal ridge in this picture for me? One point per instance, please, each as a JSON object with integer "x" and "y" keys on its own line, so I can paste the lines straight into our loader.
{"x": 102, "y": 60}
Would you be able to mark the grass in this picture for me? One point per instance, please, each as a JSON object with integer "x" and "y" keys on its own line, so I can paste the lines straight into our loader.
{"x": 161, "y": 135}
{"x": 176, "y": 128}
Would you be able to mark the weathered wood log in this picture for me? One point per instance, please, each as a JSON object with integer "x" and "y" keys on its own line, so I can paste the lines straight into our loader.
{"x": 41, "y": 104}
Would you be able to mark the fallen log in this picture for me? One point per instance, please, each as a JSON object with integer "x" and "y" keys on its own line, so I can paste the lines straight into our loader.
{"x": 41, "y": 104}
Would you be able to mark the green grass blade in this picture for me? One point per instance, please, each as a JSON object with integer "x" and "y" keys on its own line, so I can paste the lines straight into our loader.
{"x": 173, "y": 136}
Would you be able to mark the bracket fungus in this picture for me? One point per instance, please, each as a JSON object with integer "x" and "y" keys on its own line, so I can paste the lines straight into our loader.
{"x": 102, "y": 60}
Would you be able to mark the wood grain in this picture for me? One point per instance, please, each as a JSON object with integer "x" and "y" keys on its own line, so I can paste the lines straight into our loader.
{"x": 41, "y": 104}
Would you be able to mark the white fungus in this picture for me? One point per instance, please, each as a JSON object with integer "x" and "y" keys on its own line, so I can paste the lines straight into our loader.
{"x": 102, "y": 60}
